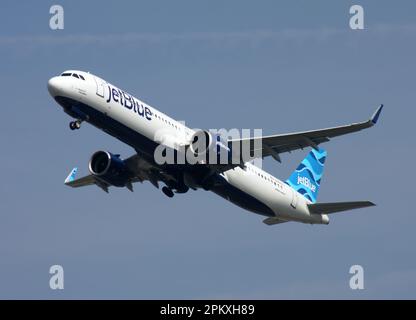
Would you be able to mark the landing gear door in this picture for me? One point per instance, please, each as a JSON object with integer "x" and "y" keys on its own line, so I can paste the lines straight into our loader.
{"x": 294, "y": 202}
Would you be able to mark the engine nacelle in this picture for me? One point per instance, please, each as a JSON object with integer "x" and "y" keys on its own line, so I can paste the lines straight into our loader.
{"x": 109, "y": 168}
{"x": 210, "y": 147}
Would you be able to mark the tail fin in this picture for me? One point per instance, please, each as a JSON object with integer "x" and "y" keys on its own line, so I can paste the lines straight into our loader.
{"x": 306, "y": 179}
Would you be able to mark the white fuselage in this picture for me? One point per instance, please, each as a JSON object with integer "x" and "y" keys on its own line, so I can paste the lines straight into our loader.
{"x": 104, "y": 98}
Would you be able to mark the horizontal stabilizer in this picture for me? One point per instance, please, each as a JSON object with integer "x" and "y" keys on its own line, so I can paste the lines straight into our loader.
{"x": 273, "y": 220}
{"x": 332, "y": 207}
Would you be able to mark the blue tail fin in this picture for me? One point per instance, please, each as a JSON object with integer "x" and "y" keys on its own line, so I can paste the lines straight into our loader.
{"x": 306, "y": 179}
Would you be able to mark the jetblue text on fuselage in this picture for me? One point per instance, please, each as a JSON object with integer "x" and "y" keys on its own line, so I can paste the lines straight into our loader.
{"x": 128, "y": 101}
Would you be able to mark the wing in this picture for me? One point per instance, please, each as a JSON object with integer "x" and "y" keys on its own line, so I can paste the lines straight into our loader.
{"x": 139, "y": 170}
{"x": 81, "y": 182}
{"x": 276, "y": 144}
{"x": 84, "y": 181}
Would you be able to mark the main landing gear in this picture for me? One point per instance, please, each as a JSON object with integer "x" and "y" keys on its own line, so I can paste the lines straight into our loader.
{"x": 75, "y": 125}
{"x": 168, "y": 192}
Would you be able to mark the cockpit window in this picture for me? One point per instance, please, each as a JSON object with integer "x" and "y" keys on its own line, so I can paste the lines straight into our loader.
{"x": 68, "y": 74}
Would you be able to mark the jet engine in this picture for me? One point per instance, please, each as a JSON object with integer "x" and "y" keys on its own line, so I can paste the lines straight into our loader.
{"x": 109, "y": 168}
{"x": 204, "y": 145}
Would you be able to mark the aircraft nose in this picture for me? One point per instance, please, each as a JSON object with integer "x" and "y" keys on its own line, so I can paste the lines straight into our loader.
{"x": 53, "y": 86}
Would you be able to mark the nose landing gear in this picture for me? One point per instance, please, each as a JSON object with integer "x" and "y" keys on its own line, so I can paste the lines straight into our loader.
{"x": 75, "y": 125}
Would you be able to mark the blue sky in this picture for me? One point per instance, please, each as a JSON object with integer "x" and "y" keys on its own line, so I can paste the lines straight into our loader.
{"x": 277, "y": 65}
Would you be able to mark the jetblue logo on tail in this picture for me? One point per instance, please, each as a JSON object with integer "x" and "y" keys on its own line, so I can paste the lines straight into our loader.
{"x": 306, "y": 182}
{"x": 306, "y": 179}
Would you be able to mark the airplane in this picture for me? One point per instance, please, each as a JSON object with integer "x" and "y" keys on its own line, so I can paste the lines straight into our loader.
{"x": 88, "y": 98}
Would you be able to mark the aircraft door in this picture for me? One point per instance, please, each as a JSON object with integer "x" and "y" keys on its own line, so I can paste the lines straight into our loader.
{"x": 100, "y": 87}
{"x": 294, "y": 202}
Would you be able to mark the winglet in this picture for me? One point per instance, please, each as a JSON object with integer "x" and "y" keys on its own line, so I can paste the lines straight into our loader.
{"x": 71, "y": 176}
{"x": 376, "y": 114}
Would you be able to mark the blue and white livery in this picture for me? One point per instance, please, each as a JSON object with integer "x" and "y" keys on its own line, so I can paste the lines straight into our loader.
{"x": 306, "y": 179}
{"x": 88, "y": 98}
